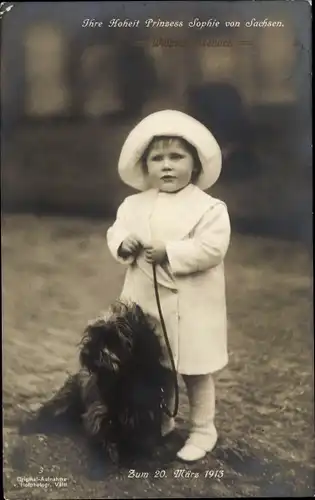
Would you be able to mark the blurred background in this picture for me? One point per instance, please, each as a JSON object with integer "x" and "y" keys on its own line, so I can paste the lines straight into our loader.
{"x": 70, "y": 95}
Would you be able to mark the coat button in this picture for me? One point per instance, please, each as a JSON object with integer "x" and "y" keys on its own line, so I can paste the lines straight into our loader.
{"x": 174, "y": 291}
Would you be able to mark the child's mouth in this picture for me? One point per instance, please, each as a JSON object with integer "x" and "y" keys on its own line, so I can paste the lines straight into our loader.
{"x": 168, "y": 178}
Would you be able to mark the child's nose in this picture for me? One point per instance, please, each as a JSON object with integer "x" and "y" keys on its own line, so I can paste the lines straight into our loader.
{"x": 166, "y": 164}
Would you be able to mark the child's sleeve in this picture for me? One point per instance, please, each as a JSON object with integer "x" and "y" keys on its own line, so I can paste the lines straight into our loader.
{"x": 207, "y": 247}
{"x": 117, "y": 233}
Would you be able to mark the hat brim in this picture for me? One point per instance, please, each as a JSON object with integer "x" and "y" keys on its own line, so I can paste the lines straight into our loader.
{"x": 169, "y": 123}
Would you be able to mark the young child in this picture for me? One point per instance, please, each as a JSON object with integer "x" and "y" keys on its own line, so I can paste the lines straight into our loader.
{"x": 171, "y": 158}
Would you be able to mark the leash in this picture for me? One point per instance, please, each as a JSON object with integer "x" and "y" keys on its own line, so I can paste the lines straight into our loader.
{"x": 174, "y": 371}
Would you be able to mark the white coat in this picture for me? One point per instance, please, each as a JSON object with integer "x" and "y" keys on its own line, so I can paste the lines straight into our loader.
{"x": 193, "y": 302}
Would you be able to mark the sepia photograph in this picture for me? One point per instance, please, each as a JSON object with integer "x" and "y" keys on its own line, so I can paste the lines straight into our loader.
{"x": 157, "y": 249}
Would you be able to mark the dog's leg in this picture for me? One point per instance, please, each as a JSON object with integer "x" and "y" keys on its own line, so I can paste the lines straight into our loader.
{"x": 99, "y": 430}
{"x": 65, "y": 404}
{"x": 65, "y": 401}
{"x": 97, "y": 420}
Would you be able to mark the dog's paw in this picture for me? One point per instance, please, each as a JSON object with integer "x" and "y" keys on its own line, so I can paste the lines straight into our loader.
{"x": 113, "y": 453}
{"x": 95, "y": 419}
{"x": 29, "y": 424}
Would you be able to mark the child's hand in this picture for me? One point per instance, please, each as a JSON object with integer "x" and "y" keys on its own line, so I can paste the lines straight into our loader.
{"x": 155, "y": 253}
{"x": 131, "y": 246}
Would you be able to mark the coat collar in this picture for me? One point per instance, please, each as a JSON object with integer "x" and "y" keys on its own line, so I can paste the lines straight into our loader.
{"x": 189, "y": 206}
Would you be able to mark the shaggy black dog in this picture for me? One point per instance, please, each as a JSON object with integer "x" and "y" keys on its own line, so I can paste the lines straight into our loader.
{"x": 118, "y": 393}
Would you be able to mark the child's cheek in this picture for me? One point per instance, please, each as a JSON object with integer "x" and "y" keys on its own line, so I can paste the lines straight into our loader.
{"x": 153, "y": 171}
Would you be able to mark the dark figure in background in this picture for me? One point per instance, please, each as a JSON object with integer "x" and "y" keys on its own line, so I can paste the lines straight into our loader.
{"x": 220, "y": 107}
{"x": 137, "y": 78}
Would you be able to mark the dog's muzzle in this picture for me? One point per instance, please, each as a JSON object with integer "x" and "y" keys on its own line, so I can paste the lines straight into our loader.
{"x": 109, "y": 360}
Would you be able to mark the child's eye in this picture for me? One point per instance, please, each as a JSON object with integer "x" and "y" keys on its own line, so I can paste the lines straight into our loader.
{"x": 176, "y": 156}
{"x": 157, "y": 158}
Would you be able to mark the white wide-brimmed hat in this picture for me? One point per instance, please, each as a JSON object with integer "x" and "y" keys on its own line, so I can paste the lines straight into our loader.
{"x": 169, "y": 123}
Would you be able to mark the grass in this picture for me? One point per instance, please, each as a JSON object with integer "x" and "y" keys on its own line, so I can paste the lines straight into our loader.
{"x": 57, "y": 274}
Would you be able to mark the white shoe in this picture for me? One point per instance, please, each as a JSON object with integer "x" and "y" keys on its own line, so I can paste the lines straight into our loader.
{"x": 167, "y": 427}
{"x": 191, "y": 453}
{"x": 194, "y": 449}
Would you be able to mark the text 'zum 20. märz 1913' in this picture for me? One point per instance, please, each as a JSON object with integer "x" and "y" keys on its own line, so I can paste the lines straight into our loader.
{"x": 177, "y": 474}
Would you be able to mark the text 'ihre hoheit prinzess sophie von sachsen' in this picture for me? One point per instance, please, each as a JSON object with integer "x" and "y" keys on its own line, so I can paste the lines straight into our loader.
{"x": 195, "y": 23}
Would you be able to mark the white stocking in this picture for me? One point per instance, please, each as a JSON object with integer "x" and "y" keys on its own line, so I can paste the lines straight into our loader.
{"x": 201, "y": 395}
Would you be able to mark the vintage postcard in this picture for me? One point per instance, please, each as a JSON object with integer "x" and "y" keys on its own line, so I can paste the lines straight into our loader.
{"x": 157, "y": 282}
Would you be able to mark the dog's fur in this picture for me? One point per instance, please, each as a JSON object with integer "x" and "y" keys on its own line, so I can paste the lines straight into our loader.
{"x": 118, "y": 392}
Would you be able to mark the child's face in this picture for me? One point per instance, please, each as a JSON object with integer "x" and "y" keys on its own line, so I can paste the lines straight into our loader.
{"x": 170, "y": 165}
